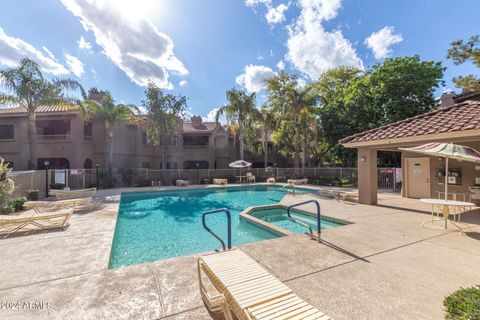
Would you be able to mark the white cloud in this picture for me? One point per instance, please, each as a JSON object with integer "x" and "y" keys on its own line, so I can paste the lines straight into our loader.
{"x": 49, "y": 53}
{"x": 251, "y": 3}
{"x": 134, "y": 45}
{"x": 381, "y": 41}
{"x": 182, "y": 83}
{"x": 260, "y": 58}
{"x": 13, "y": 49}
{"x": 84, "y": 44}
{"x": 311, "y": 49}
{"x": 212, "y": 114}
{"x": 281, "y": 65}
{"x": 74, "y": 65}
{"x": 253, "y": 77}
{"x": 276, "y": 15}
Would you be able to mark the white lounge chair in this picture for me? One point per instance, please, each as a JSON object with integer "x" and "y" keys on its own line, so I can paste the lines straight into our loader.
{"x": 248, "y": 291}
{"x": 343, "y": 195}
{"x": 34, "y": 220}
{"x": 79, "y": 204}
{"x": 72, "y": 194}
{"x": 250, "y": 177}
{"x": 182, "y": 183}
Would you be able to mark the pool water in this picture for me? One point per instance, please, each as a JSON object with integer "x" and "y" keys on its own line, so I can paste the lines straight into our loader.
{"x": 165, "y": 224}
{"x": 279, "y": 218}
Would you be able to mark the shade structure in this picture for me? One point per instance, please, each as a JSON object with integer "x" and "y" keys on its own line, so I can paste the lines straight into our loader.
{"x": 240, "y": 164}
{"x": 447, "y": 151}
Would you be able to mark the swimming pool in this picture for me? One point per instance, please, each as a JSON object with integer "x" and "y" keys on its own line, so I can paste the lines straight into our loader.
{"x": 165, "y": 224}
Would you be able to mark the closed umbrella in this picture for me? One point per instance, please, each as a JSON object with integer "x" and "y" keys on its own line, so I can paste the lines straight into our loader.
{"x": 447, "y": 151}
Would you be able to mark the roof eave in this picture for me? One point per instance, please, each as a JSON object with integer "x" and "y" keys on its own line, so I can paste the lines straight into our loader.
{"x": 412, "y": 140}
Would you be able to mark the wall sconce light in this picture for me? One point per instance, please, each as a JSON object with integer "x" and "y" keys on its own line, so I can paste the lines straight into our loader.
{"x": 363, "y": 159}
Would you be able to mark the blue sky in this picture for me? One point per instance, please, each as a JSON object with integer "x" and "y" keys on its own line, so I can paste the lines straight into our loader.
{"x": 202, "y": 48}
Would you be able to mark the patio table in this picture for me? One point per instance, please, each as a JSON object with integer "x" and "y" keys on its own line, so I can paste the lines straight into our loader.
{"x": 457, "y": 208}
{"x": 465, "y": 195}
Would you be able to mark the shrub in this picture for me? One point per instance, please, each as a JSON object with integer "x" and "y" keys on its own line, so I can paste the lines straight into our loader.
{"x": 7, "y": 208}
{"x": 463, "y": 304}
{"x": 18, "y": 203}
{"x": 32, "y": 194}
{"x": 6, "y": 188}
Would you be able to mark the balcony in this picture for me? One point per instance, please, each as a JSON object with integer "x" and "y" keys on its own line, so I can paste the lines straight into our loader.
{"x": 52, "y": 137}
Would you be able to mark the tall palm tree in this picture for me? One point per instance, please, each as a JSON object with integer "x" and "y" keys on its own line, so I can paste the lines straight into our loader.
{"x": 289, "y": 100}
{"x": 110, "y": 113}
{"x": 267, "y": 122}
{"x": 24, "y": 86}
{"x": 237, "y": 109}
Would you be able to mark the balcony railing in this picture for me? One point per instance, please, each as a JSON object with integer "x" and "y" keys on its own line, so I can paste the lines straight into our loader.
{"x": 53, "y": 137}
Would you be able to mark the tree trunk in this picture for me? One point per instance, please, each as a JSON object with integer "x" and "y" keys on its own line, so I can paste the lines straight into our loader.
{"x": 109, "y": 128}
{"x": 304, "y": 149}
{"x": 32, "y": 139}
{"x": 240, "y": 137}
{"x": 265, "y": 147}
{"x": 297, "y": 142}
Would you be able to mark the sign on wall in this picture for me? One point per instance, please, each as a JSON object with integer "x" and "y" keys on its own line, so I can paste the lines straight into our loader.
{"x": 60, "y": 176}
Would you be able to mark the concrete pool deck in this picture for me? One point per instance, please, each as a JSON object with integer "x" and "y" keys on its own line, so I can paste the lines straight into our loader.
{"x": 384, "y": 265}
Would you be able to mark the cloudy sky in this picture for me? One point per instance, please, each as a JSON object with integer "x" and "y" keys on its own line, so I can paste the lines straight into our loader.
{"x": 200, "y": 48}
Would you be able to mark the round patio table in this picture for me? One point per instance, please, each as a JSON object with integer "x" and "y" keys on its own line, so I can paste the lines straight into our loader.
{"x": 457, "y": 206}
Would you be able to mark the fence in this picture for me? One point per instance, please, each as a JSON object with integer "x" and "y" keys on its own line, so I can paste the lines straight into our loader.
{"x": 88, "y": 178}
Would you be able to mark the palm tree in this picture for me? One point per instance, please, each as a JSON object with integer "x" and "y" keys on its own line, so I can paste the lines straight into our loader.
{"x": 26, "y": 87}
{"x": 110, "y": 113}
{"x": 289, "y": 100}
{"x": 308, "y": 131}
{"x": 267, "y": 122}
{"x": 238, "y": 108}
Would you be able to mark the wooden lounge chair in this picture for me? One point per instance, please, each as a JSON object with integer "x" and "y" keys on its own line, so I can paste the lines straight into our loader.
{"x": 248, "y": 291}
{"x": 72, "y": 194}
{"x": 34, "y": 220}
{"x": 80, "y": 204}
{"x": 250, "y": 177}
{"x": 220, "y": 181}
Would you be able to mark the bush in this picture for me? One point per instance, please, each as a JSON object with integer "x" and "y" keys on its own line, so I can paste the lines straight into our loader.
{"x": 463, "y": 304}
{"x": 32, "y": 194}
{"x": 7, "y": 208}
{"x": 18, "y": 203}
{"x": 6, "y": 188}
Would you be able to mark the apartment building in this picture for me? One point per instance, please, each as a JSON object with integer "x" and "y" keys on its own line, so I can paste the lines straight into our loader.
{"x": 66, "y": 140}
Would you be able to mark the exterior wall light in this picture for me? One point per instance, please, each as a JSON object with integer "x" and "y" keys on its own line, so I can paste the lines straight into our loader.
{"x": 363, "y": 159}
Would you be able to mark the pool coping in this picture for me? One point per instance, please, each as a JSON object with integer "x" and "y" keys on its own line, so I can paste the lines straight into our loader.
{"x": 247, "y": 216}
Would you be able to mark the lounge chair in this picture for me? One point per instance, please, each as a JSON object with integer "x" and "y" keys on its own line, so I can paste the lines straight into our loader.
{"x": 33, "y": 220}
{"x": 220, "y": 181}
{"x": 182, "y": 183}
{"x": 250, "y": 177}
{"x": 343, "y": 195}
{"x": 248, "y": 291}
{"x": 79, "y": 204}
{"x": 73, "y": 194}
{"x": 271, "y": 180}
{"x": 297, "y": 181}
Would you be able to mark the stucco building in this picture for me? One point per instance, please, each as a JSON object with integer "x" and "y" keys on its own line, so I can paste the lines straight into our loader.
{"x": 457, "y": 120}
{"x": 66, "y": 140}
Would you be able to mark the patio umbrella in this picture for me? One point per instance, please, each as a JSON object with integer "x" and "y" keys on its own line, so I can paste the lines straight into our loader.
{"x": 239, "y": 164}
{"x": 447, "y": 151}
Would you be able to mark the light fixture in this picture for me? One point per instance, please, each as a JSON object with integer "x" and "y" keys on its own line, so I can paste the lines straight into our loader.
{"x": 46, "y": 163}
{"x": 363, "y": 159}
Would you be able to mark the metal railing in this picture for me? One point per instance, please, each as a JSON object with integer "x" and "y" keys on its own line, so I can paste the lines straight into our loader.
{"x": 319, "y": 224}
{"x": 229, "y": 227}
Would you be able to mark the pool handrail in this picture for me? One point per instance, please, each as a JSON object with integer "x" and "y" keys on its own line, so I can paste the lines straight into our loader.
{"x": 319, "y": 225}
{"x": 229, "y": 227}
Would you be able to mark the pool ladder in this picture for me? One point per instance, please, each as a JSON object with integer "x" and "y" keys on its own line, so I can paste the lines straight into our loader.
{"x": 289, "y": 185}
{"x": 229, "y": 227}
{"x": 319, "y": 224}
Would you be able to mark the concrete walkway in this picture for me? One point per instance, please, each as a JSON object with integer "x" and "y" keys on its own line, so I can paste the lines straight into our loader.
{"x": 384, "y": 265}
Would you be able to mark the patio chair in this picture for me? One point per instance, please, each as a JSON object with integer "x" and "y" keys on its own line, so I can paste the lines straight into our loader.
{"x": 343, "y": 195}
{"x": 73, "y": 194}
{"x": 220, "y": 181}
{"x": 34, "y": 220}
{"x": 77, "y": 205}
{"x": 271, "y": 180}
{"x": 250, "y": 177}
{"x": 182, "y": 183}
{"x": 247, "y": 290}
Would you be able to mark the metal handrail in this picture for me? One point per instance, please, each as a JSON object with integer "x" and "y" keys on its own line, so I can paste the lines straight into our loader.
{"x": 319, "y": 225}
{"x": 229, "y": 226}
{"x": 289, "y": 185}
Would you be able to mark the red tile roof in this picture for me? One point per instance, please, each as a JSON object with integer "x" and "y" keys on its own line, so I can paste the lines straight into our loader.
{"x": 458, "y": 117}
{"x": 42, "y": 109}
{"x": 204, "y": 127}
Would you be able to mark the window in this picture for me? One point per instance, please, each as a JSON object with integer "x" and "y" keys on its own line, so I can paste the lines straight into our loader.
{"x": 6, "y": 131}
{"x": 144, "y": 138}
{"x": 175, "y": 140}
{"x": 88, "y": 164}
{"x": 161, "y": 165}
{"x": 146, "y": 165}
{"x": 53, "y": 129}
{"x": 168, "y": 166}
{"x": 175, "y": 165}
{"x": 88, "y": 129}
{"x": 195, "y": 141}
{"x": 195, "y": 165}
